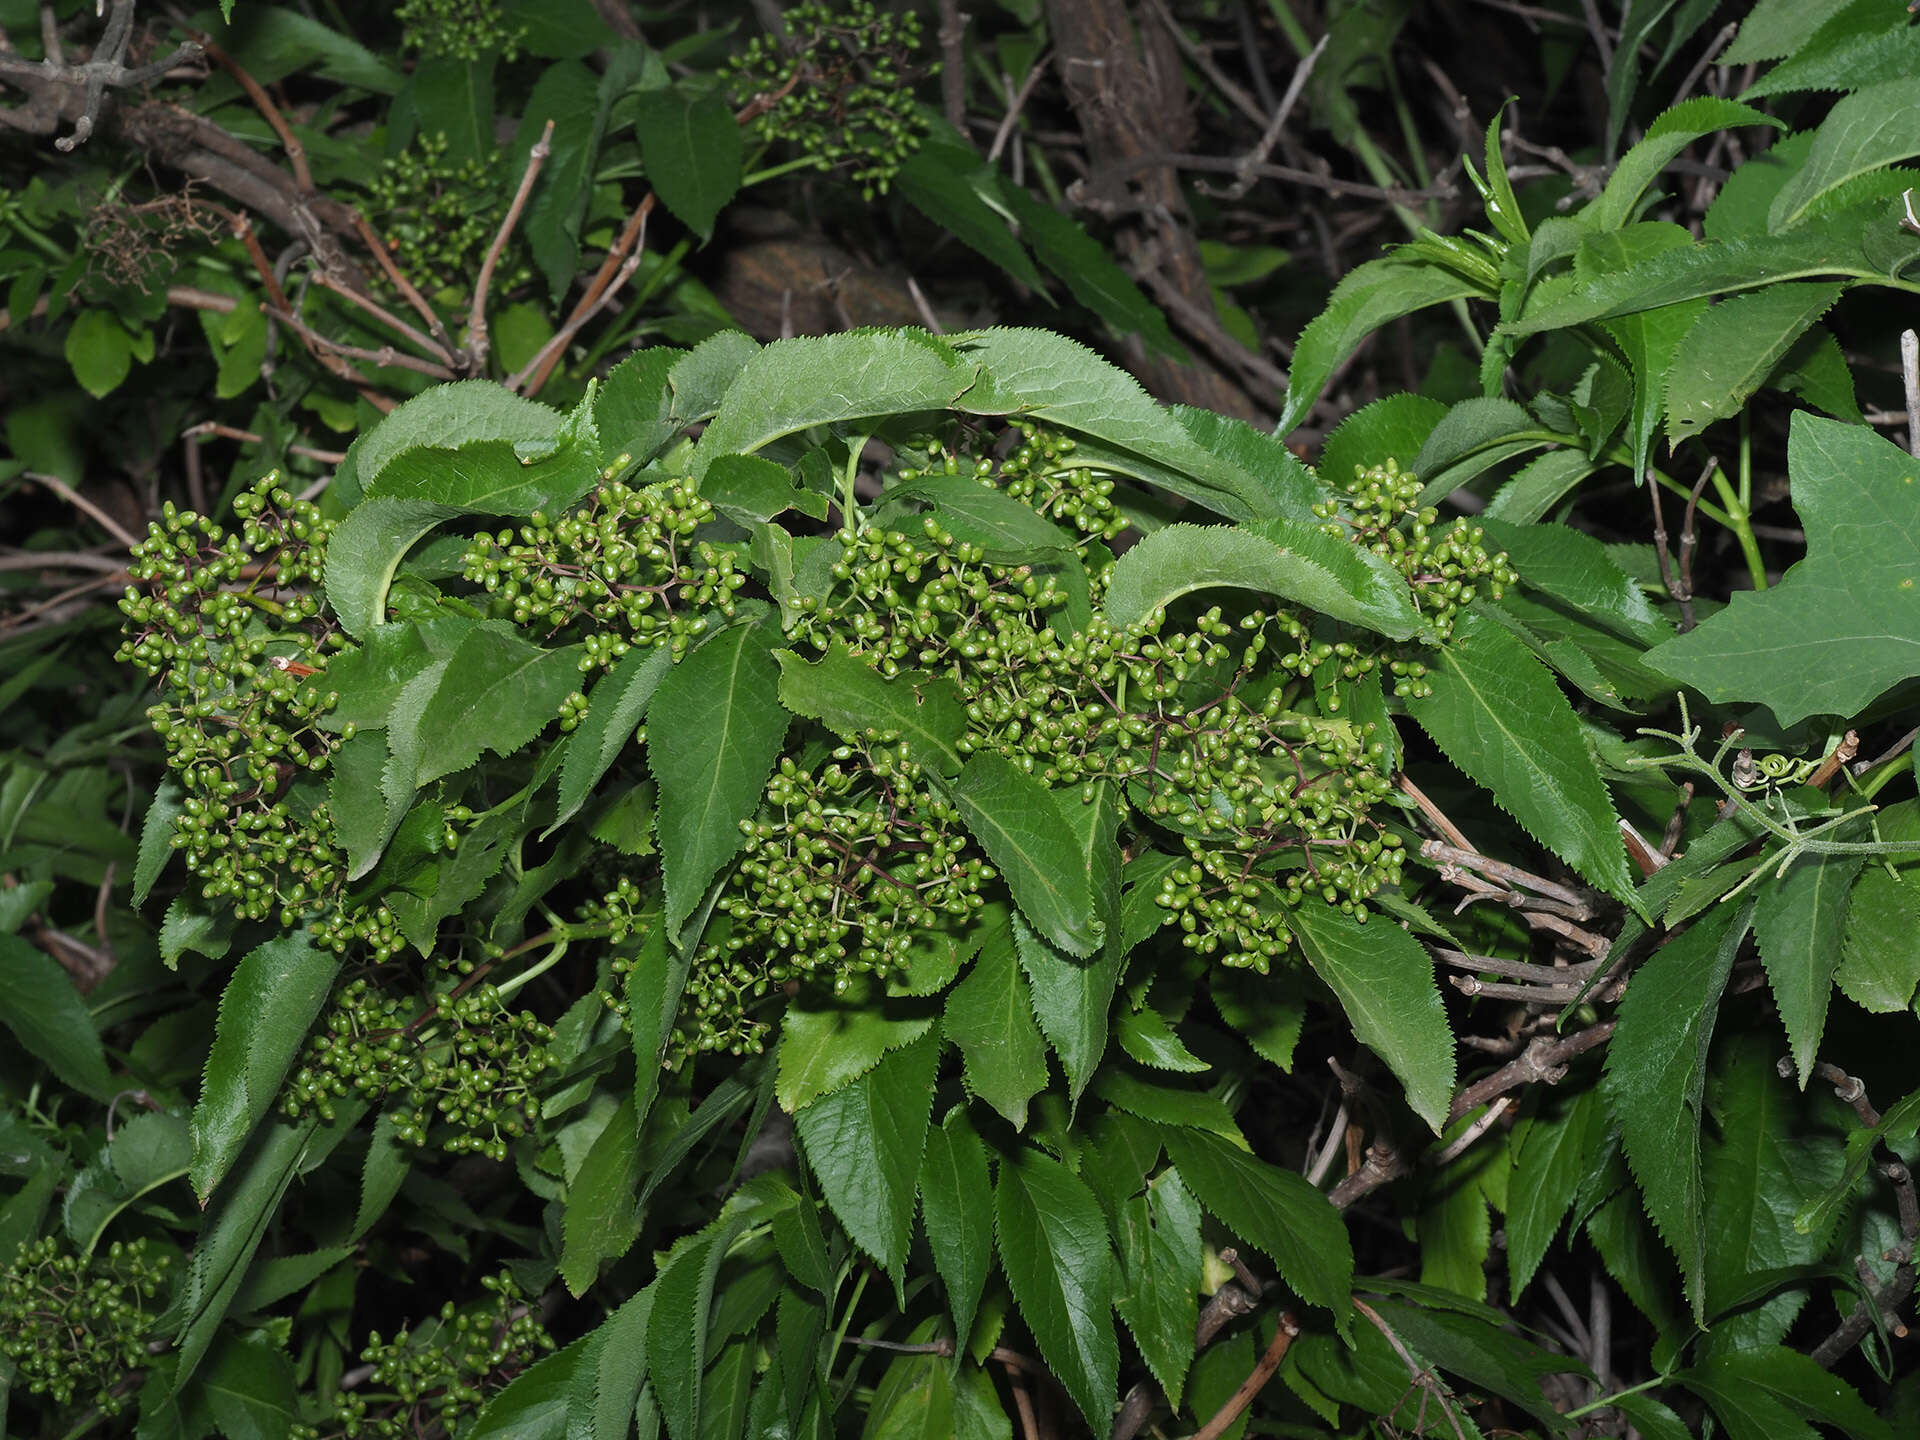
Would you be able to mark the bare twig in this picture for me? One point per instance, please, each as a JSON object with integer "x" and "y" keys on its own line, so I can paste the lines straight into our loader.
{"x": 1544, "y": 1060}
{"x": 622, "y": 260}
{"x": 1256, "y": 157}
{"x": 386, "y": 356}
{"x": 927, "y": 317}
{"x": 1014, "y": 106}
{"x": 431, "y": 348}
{"x": 1482, "y": 1123}
{"x": 1254, "y": 1383}
{"x": 231, "y": 432}
{"x": 1435, "y": 816}
{"x": 1910, "y": 380}
{"x": 953, "y": 62}
{"x": 102, "y": 71}
{"x": 478, "y": 342}
{"x": 263, "y": 102}
{"x": 80, "y": 502}
{"x": 1707, "y": 57}
{"x": 1577, "y": 905}
{"x": 421, "y": 306}
{"x": 1382, "y": 1164}
{"x": 1893, "y": 751}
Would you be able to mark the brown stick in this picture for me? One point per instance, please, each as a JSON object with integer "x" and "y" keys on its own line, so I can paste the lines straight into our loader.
{"x": 263, "y": 102}
{"x": 478, "y": 342}
{"x": 1254, "y": 1383}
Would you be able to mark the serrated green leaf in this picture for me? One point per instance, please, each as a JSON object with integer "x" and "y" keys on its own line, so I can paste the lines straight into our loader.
{"x": 1880, "y": 957}
{"x": 1575, "y": 568}
{"x": 1656, "y": 1077}
{"x": 99, "y": 350}
{"x": 1275, "y": 1211}
{"x": 1167, "y": 1104}
{"x": 1367, "y": 297}
{"x": 1799, "y": 1382}
{"x": 1757, "y": 1172}
{"x": 718, "y": 727}
{"x": 1799, "y": 921}
{"x": 39, "y": 1004}
{"x": 146, "y": 1152}
{"x": 156, "y": 836}
{"x": 1059, "y": 381}
{"x": 1393, "y": 427}
{"x": 954, "y": 1180}
{"x": 1384, "y": 982}
{"x": 863, "y": 1143}
{"x": 1858, "y": 499}
{"x": 615, "y": 707}
{"x": 990, "y": 1017}
{"x": 792, "y": 385}
{"x": 913, "y": 1401}
{"x": 1158, "y": 1236}
{"x": 610, "y": 1374}
{"x": 601, "y": 1220}
{"x": 472, "y": 410}
{"x": 249, "y": 1388}
{"x": 490, "y": 477}
{"x": 655, "y": 983}
{"x": 1472, "y": 1345}
{"x": 497, "y": 692}
{"x": 1267, "y": 1010}
{"x": 1844, "y": 57}
{"x": 1497, "y": 714}
{"x": 265, "y": 1012}
{"x": 1539, "y": 486}
{"x": 1648, "y": 339}
{"x": 1060, "y": 244}
{"x": 1058, "y": 1261}
{"x": 677, "y": 1328}
{"x": 1666, "y": 137}
{"x": 750, "y": 489}
{"x": 1816, "y": 371}
{"x": 1778, "y": 27}
{"x": 854, "y": 700}
{"x": 366, "y": 549}
{"x": 692, "y": 150}
{"x": 1550, "y": 1152}
{"x": 1733, "y": 348}
{"x": 1148, "y": 1038}
{"x": 1019, "y": 823}
{"x": 1864, "y": 131}
{"x": 1276, "y": 557}
{"x": 533, "y": 1405}
{"x": 959, "y": 192}
{"x": 830, "y": 1041}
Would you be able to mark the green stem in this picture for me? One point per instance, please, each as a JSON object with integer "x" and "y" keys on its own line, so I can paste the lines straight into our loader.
{"x": 774, "y": 172}
{"x": 1606, "y": 1401}
{"x": 1742, "y": 530}
{"x": 1290, "y": 27}
{"x": 849, "y": 502}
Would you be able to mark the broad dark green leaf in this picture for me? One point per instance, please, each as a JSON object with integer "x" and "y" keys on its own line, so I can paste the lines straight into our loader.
{"x": 1019, "y": 823}
{"x": 49, "y": 1019}
{"x": 494, "y": 477}
{"x": 1058, "y": 381}
{"x": 1898, "y": 1122}
{"x": 1497, "y": 714}
{"x": 364, "y": 551}
{"x": 274, "y": 42}
{"x": 1009, "y": 530}
{"x": 1859, "y": 504}
{"x": 498, "y": 692}
{"x": 913, "y": 1401}
{"x": 1850, "y": 60}
{"x": 1795, "y": 1381}
{"x": 1734, "y": 347}
{"x": 610, "y": 1374}
{"x": 600, "y": 1221}
{"x": 792, "y": 385}
{"x": 954, "y": 1181}
{"x": 655, "y": 984}
{"x": 1088, "y": 267}
{"x": 1158, "y": 1235}
{"x": 1774, "y": 28}
{"x": 1575, "y": 568}
{"x": 1394, "y": 427}
{"x": 534, "y": 1405}
{"x": 750, "y": 489}
{"x": 1367, "y": 297}
{"x": 1384, "y": 981}
{"x": 1866, "y": 130}
{"x": 717, "y": 728}
{"x": 466, "y": 410}
{"x": 1880, "y": 957}
{"x": 1799, "y": 922}
{"x": 955, "y": 188}
{"x": 827, "y": 1041}
{"x": 1147, "y": 1037}
{"x": 1472, "y": 1345}
{"x": 1058, "y": 1261}
{"x": 265, "y": 1013}
{"x": 1551, "y": 1151}
{"x": 1758, "y": 1172}
{"x": 576, "y": 100}
{"x": 453, "y": 96}
{"x": 677, "y": 1328}
{"x": 692, "y": 151}
{"x": 1539, "y": 486}
{"x": 1649, "y": 338}
{"x": 863, "y": 1143}
{"x": 1656, "y": 1077}
{"x": 146, "y": 1152}
{"x": 615, "y": 707}
{"x": 1274, "y": 1210}
{"x": 249, "y": 1388}
{"x": 631, "y": 406}
{"x": 1168, "y": 1104}
{"x": 1666, "y": 137}
{"x": 1276, "y": 557}
{"x": 855, "y": 701}
{"x": 990, "y": 1017}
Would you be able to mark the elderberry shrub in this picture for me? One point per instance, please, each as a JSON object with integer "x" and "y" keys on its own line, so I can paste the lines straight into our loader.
{"x": 75, "y": 1326}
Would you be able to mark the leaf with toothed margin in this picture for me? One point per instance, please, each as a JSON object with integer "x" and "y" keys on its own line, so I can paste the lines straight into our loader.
{"x": 1656, "y": 1079}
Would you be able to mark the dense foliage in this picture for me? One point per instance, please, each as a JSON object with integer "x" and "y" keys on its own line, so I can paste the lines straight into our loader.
{"x": 890, "y": 881}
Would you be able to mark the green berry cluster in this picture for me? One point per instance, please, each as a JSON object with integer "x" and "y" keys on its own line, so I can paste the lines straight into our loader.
{"x": 75, "y": 1327}
{"x": 439, "y": 216}
{"x": 625, "y": 567}
{"x": 845, "y": 866}
{"x": 433, "y": 1378}
{"x": 1035, "y": 464}
{"x": 232, "y": 628}
{"x": 1447, "y": 568}
{"x": 458, "y": 29}
{"x": 838, "y": 87}
{"x": 463, "y": 1065}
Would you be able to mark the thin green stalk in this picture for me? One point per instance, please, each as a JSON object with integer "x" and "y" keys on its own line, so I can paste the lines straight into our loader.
{"x": 1290, "y": 27}
{"x": 849, "y": 501}
{"x": 1742, "y": 530}
{"x": 1606, "y": 1401}
{"x": 774, "y": 172}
